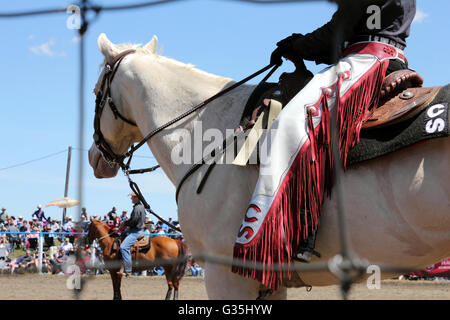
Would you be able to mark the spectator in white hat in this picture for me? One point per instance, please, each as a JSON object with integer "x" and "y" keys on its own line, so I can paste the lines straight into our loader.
{"x": 55, "y": 225}
{"x": 68, "y": 224}
{"x": 67, "y": 246}
{"x": 3, "y": 215}
{"x": 39, "y": 213}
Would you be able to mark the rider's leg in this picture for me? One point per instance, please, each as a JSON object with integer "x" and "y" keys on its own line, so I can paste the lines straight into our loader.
{"x": 221, "y": 284}
{"x": 293, "y": 174}
{"x": 306, "y": 248}
{"x": 127, "y": 243}
{"x": 284, "y": 141}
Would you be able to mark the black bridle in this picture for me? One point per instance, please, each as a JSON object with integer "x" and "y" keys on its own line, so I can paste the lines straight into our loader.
{"x": 104, "y": 96}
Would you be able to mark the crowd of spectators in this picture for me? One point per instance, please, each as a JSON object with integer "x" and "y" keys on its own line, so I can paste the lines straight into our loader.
{"x": 30, "y": 229}
{"x": 58, "y": 248}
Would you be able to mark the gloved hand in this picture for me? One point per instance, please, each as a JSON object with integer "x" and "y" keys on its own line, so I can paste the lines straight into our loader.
{"x": 285, "y": 48}
{"x": 288, "y": 42}
{"x": 275, "y": 58}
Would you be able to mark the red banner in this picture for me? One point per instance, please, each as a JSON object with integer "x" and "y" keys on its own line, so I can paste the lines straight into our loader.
{"x": 440, "y": 269}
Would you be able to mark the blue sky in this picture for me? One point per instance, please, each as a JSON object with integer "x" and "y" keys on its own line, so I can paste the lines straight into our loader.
{"x": 39, "y": 83}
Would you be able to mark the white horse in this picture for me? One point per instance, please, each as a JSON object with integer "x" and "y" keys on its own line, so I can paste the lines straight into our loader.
{"x": 397, "y": 206}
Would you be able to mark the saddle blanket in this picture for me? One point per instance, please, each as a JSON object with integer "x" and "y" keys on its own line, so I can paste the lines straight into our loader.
{"x": 433, "y": 122}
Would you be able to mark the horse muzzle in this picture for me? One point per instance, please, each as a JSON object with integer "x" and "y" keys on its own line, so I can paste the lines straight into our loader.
{"x": 102, "y": 169}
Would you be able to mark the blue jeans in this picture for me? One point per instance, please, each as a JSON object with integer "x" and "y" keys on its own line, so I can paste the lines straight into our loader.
{"x": 127, "y": 243}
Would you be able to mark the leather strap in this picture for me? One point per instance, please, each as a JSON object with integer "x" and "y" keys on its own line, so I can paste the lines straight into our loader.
{"x": 256, "y": 133}
{"x": 380, "y": 50}
{"x": 375, "y": 38}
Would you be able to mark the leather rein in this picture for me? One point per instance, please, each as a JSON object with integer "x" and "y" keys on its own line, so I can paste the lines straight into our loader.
{"x": 103, "y": 97}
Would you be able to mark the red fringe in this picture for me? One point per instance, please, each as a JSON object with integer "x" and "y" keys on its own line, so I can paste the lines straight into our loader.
{"x": 353, "y": 107}
{"x": 300, "y": 195}
{"x": 310, "y": 176}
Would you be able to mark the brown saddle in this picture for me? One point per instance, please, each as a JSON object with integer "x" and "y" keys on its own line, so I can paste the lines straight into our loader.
{"x": 401, "y": 98}
{"x": 142, "y": 244}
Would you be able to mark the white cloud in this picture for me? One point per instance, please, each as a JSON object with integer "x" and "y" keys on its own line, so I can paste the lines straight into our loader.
{"x": 46, "y": 50}
{"x": 420, "y": 16}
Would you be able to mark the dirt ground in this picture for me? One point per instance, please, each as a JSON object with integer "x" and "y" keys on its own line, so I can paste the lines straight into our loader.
{"x": 53, "y": 287}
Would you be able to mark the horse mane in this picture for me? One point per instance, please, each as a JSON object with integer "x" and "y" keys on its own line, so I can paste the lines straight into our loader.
{"x": 101, "y": 224}
{"x": 163, "y": 59}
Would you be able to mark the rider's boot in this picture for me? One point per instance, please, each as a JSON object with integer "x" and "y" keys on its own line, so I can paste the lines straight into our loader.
{"x": 122, "y": 272}
{"x": 306, "y": 249}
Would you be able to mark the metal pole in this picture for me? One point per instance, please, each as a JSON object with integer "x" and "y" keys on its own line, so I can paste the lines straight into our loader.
{"x": 40, "y": 252}
{"x": 66, "y": 188}
{"x": 338, "y": 169}
{"x": 81, "y": 32}
{"x": 347, "y": 258}
{"x": 338, "y": 172}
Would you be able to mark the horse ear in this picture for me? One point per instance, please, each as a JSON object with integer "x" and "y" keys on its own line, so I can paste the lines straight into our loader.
{"x": 152, "y": 45}
{"x": 106, "y": 47}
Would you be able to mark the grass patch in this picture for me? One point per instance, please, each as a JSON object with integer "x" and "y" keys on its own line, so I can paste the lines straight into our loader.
{"x": 21, "y": 251}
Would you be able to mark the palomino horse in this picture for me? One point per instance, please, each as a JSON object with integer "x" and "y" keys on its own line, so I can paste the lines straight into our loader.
{"x": 397, "y": 206}
{"x": 161, "y": 249}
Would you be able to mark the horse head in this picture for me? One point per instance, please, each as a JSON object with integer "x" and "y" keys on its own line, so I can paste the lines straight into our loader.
{"x": 117, "y": 134}
{"x": 95, "y": 230}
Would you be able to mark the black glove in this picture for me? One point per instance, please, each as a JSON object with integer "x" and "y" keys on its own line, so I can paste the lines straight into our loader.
{"x": 289, "y": 41}
{"x": 285, "y": 48}
{"x": 275, "y": 58}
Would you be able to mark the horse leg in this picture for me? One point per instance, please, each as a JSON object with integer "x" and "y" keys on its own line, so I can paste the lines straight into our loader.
{"x": 175, "y": 288}
{"x": 168, "y": 274}
{"x": 118, "y": 286}
{"x": 175, "y": 283}
{"x": 222, "y": 284}
{"x": 169, "y": 290}
{"x": 116, "y": 280}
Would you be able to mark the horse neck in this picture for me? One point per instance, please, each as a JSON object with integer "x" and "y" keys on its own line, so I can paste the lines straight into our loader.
{"x": 175, "y": 88}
